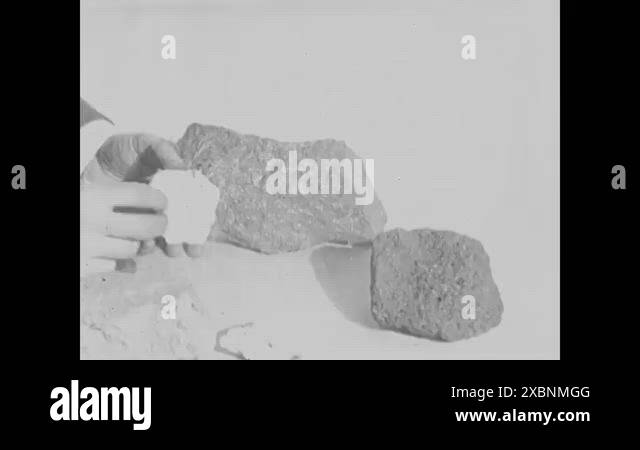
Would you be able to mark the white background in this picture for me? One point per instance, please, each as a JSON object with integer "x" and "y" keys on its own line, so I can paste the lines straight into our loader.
{"x": 470, "y": 146}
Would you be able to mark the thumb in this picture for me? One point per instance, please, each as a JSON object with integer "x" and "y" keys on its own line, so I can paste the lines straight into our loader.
{"x": 165, "y": 151}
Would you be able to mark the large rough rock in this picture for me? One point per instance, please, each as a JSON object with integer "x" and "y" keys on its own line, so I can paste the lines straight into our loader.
{"x": 419, "y": 279}
{"x": 255, "y": 219}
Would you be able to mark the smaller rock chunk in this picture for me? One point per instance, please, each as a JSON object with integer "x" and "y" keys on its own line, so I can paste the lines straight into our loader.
{"x": 421, "y": 281}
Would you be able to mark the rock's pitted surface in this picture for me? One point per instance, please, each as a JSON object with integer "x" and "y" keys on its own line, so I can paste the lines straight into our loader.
{"x": 268, "y": 223}
{"x": 418, "y": 281}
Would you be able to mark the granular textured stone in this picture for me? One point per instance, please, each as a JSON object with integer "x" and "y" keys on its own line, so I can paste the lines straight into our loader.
{"x": 255, "y": 219}
{"x": 419, "y": 279}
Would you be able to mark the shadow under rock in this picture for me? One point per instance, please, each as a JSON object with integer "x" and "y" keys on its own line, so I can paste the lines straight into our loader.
{"x": 344, "y": 274}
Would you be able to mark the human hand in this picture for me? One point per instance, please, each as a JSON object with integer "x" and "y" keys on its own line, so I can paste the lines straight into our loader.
{"x": 114, "y": 218}
{"x": 118, "y": 208}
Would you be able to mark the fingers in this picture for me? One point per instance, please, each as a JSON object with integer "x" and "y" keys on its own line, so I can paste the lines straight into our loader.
{"x": 176, "y": 250}
{"x": 135, "y": 226}
{"x": 173, "y": 250}
{"x": 135, "y": 195}
{"x": 109, "y": 247}
{"x": 123, "y": 210}
{"x": 126, "y": 265}
{"x": 153, "y": 154}
{"x": 194, "y": 250}
{"x": 164, "y": 150}
{"x": 93, "y": 173}
{"x": 147, "y": 246}
{"x": 97, "y": 265}
{"x": 136, "y": 157}
{"x": 117, "y": 155}
{"x": 91, "y": 266}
